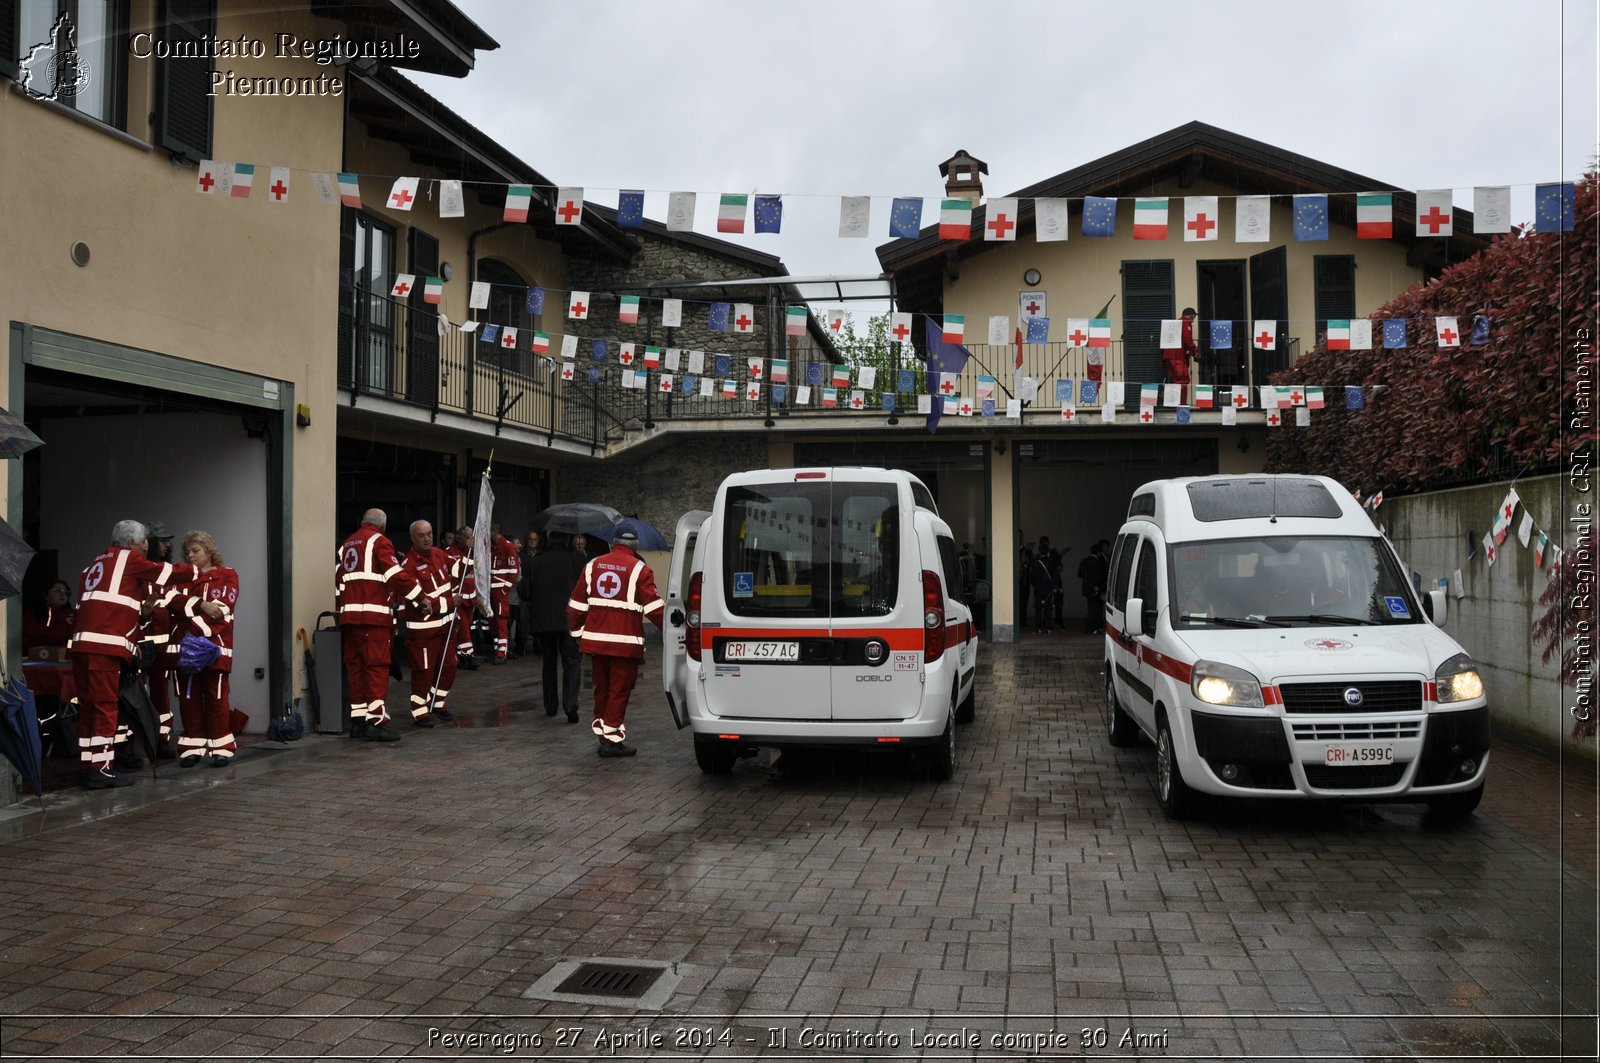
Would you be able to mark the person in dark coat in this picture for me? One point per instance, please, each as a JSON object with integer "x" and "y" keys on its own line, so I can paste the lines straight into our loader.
{"x": 1042, "y": 580}
{"x": 1092, "y": 576}
{"x": 552, "y": 574}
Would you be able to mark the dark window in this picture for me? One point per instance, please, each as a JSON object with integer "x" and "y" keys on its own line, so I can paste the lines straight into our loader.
{"x": 366, "y": 312}
{"x": 422, "y": 336}
{"x": 923, "y": 497}
{"x": 955, "y": 580}
{"x": 1147, "y": 299}
{"x": 508, "y": 308}
{"x": 91, "y": 76}
{"x": 1145, "y": 584}
{"x": 1122, "y": 568}
{"x": 1335, "y": 277}
{"x": 1242, "y": 499}
{"x": 1142, "y": 506}
{"x": 183, "y": 106}
{"x": 1269, "y": 299}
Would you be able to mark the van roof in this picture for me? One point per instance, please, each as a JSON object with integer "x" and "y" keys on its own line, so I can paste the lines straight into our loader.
{"x": 1208, "y": 507}
{"x": 920, "y": 495}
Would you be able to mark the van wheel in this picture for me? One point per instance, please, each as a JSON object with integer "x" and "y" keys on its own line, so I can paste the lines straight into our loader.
{"x": 1119, "y": 727}
{"x": 1454, "y": 806}
{"x": 943, "y": 765}
{"x": 1174, "y": 794}
{"x": 969, "y": 705}
{"x": 714, "y": 757}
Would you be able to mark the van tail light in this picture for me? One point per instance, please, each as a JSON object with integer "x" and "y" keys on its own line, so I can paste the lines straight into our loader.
{"x": 691, "y": 627}
{"x": 932, "y": 617}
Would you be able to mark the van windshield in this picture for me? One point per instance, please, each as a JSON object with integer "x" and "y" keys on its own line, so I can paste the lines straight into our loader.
{"x": 1287, "y": 582}
{"x": 811, "y": 549}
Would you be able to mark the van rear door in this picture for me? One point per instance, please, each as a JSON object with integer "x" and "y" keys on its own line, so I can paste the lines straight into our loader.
{"x": 875, "y": 597}
{"x": 674, "y": 662}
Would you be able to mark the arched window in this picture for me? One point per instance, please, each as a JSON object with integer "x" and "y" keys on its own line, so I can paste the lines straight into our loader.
{"x": 508, "y": 302}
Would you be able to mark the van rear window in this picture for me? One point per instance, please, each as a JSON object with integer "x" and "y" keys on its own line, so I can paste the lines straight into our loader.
{"x": 811, "y": 550}
{"x": 1244, "y": 498}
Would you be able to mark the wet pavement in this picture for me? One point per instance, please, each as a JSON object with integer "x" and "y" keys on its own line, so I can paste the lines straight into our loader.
{"x": 423, "y": 899}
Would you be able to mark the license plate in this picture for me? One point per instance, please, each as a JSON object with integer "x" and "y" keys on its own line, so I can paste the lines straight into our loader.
{"x": 1357, "y": 754}
{"x": 761, "y": 651}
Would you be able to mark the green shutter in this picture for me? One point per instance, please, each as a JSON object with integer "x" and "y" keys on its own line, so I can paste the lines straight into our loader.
{"x": 183, "y": 108}
{"x": 10, "y": 28}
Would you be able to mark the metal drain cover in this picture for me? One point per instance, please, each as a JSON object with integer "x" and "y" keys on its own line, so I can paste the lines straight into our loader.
{"x": 646, "y": 984}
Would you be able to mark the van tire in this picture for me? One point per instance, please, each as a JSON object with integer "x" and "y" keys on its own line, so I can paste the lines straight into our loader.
{"x": 714, "y": 757}
{"x": 1120, "y": 728}
{"x": 942, "y": 765}
{"x": 1455, "y": 806}
{"x": 968, "y": 709}
{"x": 1174, "y": 794}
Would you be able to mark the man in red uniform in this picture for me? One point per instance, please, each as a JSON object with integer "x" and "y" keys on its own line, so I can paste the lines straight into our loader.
{"x": 1177, "y": 358}
{"x": 428, "y": 650}
{"x": 610, "y": 603}
{"x": 505, "y": 571}
{"x": 368, "y": 576}
{"x": 462, "y": 566}
{"x": 109, "y": 594}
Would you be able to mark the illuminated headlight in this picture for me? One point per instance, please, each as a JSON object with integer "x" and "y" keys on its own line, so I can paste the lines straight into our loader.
{"x": 1458, "y": 680}
{"x": 1223, "y": 684}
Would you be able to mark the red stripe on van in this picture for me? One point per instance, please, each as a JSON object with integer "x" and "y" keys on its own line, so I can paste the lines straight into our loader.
{"x": 1430, "y": 691}
{"x": 1169, "y": 665}
{"x": 1271, "y": 695}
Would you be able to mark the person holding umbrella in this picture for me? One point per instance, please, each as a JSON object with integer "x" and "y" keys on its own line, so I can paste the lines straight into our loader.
{"x": 552, "y": 574}
{"x": 203, "y": 696}
{"x": 109, "y": 593}
{"x": 610, "y": 603}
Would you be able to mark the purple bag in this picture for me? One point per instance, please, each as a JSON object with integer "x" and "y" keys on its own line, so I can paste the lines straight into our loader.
{"x": 195, "y": 654}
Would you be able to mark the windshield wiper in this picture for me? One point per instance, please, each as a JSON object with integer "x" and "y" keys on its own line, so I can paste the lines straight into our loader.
{"x": 1225, "y": 621}
{"x": 1331, "y": 619}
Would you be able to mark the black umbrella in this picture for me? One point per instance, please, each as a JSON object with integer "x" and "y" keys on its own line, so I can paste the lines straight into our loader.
{"x": 313, "y": 695}
{"x": 134, "y": 708}
{"x": 19, "y": 734}
{"x": 16, "y": 438}
{"x": 15, "y": 553}
{"x": 576, "y": 518}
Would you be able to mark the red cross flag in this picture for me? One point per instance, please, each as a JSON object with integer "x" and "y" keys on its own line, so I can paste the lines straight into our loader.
{"x": 402, "y": 286}
{"x": 1445, "y": 328}
{"x": 578, "y": 306}
{"x": 278, "y": 184}
{"x": 1274, "y": 418}
{"x": 508, "y": 337}
{"x": 625, "y": 353}
{"x": 744, "y": 317}
{"x": 899, "y": 326}
{"x": 755, "y": 365}
{"x": 1000, "y": 220}
{"x": 404, "y": 193}
{"x": 1068, "y": 411}
{"x": 206, "y": 181}
{"x": 857, "y": 400}
{"x": 567, "y": 369}
{"x": 1265, "y": 335}
{"x": 569, "y": 206}
{"x": 752, "y": 391}
{"x": 1199, "y": 218}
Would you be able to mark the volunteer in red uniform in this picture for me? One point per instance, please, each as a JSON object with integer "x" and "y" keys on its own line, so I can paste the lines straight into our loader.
{"x": 506, "y": 569}
{"x": 428, "y": 628}
{"x": 49, "y": 624}
{"x": 367, "y": 579}
{"x": 155, "y": 628}
{"x": 1177, "y": 358}
{"x": 610, "y": 603}
{"x": 109, "y": 595}
{"x": 203, "y": 696}
{"x": 467, "y": 604}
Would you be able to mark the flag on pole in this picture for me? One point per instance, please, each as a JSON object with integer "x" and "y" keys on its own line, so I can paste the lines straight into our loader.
{"x": 944, "y": 360}
{"x": 481, "y": 546}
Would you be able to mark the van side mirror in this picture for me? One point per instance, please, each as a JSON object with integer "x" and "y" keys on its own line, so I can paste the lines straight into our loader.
{"x": 1133, "y": 618}
{"x": 981, "y": 591}
{"x": 1435, "y": 606}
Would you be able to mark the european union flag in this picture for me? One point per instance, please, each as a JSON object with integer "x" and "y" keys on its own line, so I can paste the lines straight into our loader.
{"x": 1064, "y": 389}
{"x": 888, "y": 401}
{"x": 1221, "y": 335}
{"x": 905, "y": 217}
{"x": 490, "y": 334}
{"x": 1354, "y": 398}
{"x": 594, "y": 375}
{"x": 597, "y": 350}
{"x": 535, "y": 300}
{"x": 1099, "y": 216}
{"x": 988, "y": 407}
{"x": 687, "y": 387}
{"x": 1088, "y": 393}
{"x": 1183, "y": 415}
{"x": 1038, "y": 330}
{"x": 906, "y": 381}
{"x": 720, "y": 365}
{"x": 1552, "y": 208}
{"x": 718, "y": 319}
{"x": 780, "y": 392}
{"x": 1310, "y": 217}
{"x": 1480, "y": 330}
{"x": 942, "y": 358}
{"x": 630, "y": 210}
{"x": 1394, "y": 333}
{"x": 814, "y": 374}
{"x": 769, "y": 214}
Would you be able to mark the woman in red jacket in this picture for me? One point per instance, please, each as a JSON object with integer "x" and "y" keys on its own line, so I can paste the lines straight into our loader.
{"x": 203, "y": 696}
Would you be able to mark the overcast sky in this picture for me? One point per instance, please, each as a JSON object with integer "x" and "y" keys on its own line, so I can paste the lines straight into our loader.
{"x": 817, "y": 99}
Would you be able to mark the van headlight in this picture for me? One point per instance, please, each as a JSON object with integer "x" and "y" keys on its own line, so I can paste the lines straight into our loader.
{"x": 1223, "y": 684}
{"x": 1458, "y": 680}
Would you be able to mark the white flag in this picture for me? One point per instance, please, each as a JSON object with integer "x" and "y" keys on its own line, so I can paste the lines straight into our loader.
{"x": 680, "y": 212}
{"x": 444, "y": 325}
{"x": 802, "y": 395}
{"x": 479, "y": 299}
{"x": 867, "y": 377}
{"x": 569, "y": 347}
{"x": 1199, "y": 218}
{"x": 1360, "y": 334}
{"x": 404, "y": 193}
{"x": 697, "y": 362}
{"x": 1525, "y": 529}
{"x": 1230, "y": 415}
{"x": 1171, "y": 334}
{"x": 323, "y": 183}
{"x": 924, "y": 403}
{"x": 999, "y": 329}
{"x": 707, "y": 387}
{"x": 480, "y": 543}
{"x": 469, "y": 327}
{"x": 1491, "y": 209}
{"x": 855, "y": 215}
{"x": 672, "y": 358}
{"x": 1252, "y": 220}
{"x": 1116, "y": 392}
{"x": 1050, "y": 220}
{"x": 1014, "y": 409}
{"x": 1172, "y": 395}
{"x": 1108, "y": 413}
{"x": 1302, "y": 416}
{"x": 452, "y": 204}
{"x": 671, "y": 313}
{"x": 1458, "y": 585}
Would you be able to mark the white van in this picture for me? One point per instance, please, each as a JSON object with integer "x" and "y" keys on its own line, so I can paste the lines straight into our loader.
{"x": 1264, "y": 635}
{"x": 818, "y": 607}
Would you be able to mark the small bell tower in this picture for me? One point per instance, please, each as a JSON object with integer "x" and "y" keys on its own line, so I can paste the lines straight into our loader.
{"x": 963, "y": 177}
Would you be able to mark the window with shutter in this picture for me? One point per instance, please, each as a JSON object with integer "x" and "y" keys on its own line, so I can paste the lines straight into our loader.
{"x": 10, "y": 38}
{"x": 1147, "y": 299}
{"x": 183, "y": 106}
{"x": 1335, "y": 279}
{"x": 422, "y": 334}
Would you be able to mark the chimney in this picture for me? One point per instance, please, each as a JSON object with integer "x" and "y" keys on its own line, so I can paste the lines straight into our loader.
{"x": 962, "y": 180}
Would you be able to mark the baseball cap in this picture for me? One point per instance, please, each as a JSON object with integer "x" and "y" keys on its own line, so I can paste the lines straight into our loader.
{"x": 154, "y": 529}
{"x": 627, "y": 537}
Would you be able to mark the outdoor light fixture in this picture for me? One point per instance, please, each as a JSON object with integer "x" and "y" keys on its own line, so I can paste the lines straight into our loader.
{"x": 1032, "y": 278}
{"x": 447, "y": 271}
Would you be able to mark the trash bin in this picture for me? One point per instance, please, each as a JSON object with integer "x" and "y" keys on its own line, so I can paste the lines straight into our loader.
{"x": 327, "y": 648}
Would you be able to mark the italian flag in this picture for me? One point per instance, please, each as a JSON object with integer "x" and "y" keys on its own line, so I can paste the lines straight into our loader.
{"x": 518, "y": 199}
{"x": 652, "y": 357}
{"x": 244, "y": 174}
{"x": 780, "y": 371}
{"x": 729, "y": 389}
{"x": 1100, "y": 332}
{"x": 1338, "y": 334}
{"x": 541, "y": 343}
{"x": 628, "y": 309}
{"x": 830, "y": 398}
{"x": 1314, "y": 399}
{"x": 731, "y": 212}
{"x": 794, "y": 321}
{"x": 1149, "y": 218}
{"x": 1374, "y": 216}
{"x": 955, "y": 219}
{"x": 1203, "y": 397}
{"x": 350, "y": 190}
{"x": 955, "y": 328}
{"x": 432, "y": 290}
{"x": 841, "y": 376}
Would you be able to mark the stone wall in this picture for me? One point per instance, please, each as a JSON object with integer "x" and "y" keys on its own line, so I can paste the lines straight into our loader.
{"x": 1430, "y": 532}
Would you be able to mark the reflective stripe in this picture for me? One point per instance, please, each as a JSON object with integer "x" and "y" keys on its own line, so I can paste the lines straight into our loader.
{"x": 604, "y": 636}
{"x": 428, "y": 625}
{"x": 351, "y": 577}
{"x": 104, "y": 640}
{"x": 361, "y": 607}
{"x": 654, "y": 606}
{"x": 618, "y": 603}
{"x": 573, "y": 603}
{"x": 114, "y": 599}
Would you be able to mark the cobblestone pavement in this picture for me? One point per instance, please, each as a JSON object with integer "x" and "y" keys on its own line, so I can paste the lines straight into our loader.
{"x": 375, "y": 901}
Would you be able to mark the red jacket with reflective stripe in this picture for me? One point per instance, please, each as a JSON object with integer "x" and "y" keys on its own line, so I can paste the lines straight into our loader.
{"x": 507, "y": 562}
{"x": 435, "y": 610}
{"x": 220, "y": 585}
{"x": 610, "y": 603}
{"x": 109, "y": 593}
{"x": 367, "y": 576}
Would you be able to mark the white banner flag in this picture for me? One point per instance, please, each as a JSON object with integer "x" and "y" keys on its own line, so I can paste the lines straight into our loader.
{"x": 1050, "y": 220}
{"x": 481, "y": 545}
{"x": 1491, "y": 209}
{"x": 452, "y": 204}
{"x": 855, "y": 215}
{"x": 1171, "y": 334}
{"x": 999, "y": 330}
{"x": 1252, "y": 221}
{"x": 671, "y": 313}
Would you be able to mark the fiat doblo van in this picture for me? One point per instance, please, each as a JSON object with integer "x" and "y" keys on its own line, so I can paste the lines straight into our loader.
{"x": 1263, "y": 634}
{"x": 818, "y": 608}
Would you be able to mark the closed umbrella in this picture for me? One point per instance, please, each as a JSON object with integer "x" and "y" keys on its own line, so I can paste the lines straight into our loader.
{"x": 19, "y": 734}
{"x": 576, "y": 518}
{"x": 650, "y": 537}
{"x": 133, "y": 703}
{"x": 15, "y": 553}
{"x": 16, "y": 438}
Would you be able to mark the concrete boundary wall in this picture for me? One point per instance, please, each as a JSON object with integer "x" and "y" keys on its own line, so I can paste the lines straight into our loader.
{"x": 1494, "y": 621}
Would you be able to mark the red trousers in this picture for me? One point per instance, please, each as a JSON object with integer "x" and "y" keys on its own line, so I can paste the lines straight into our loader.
{"x": 613, "y": 683}
{"x": 161, "y": 698}
{"x": 463, "y": 632}
{"x": 203, "y": 701}
{"x": 1177, "y": 363}
{"x": 366, "y": 671}
{"x": 500, "y": 600}
{"x": 433, "y": 671}
{"x": 97, "y": 677}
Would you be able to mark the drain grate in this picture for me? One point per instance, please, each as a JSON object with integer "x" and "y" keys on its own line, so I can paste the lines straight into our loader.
{"x": 610, "y": 980}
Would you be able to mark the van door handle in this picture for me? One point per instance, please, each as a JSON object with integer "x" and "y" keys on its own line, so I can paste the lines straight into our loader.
{"x": 675, "y": 618}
